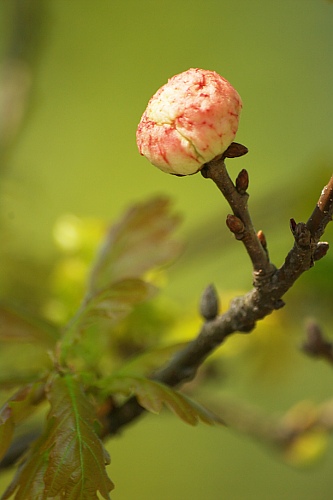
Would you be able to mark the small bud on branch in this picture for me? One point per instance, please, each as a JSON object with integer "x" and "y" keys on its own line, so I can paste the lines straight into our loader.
{"x": 321, "y": 250}
{"x": 262, "y": 239}
{"x": 235, "y": 150}
{"x": 209, "y": 303}
{"x": 242, "y": 181}
{"x": 235, "y": 225}
{"x": 293, "y": 226}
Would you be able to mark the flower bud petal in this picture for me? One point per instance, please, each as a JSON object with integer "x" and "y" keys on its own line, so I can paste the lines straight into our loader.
{"x": 189, "y": 121}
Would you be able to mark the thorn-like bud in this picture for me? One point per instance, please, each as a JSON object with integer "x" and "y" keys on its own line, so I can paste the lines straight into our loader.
{"x": 293, "y": 225}
{"x": 235, "y": 225}
{"x": 235, "y": 150}
{"x": 242, "y": 181}
{"x": 262, "y": 239}
{"x": 209, "y": 303}
{"x": 321, "y": 250}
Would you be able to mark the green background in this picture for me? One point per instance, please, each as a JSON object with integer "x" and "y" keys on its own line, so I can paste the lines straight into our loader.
{"x": 93, "y": 67}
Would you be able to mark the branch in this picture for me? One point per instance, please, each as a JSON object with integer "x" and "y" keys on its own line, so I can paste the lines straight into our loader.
{"x": 270, "y": 285}
{"x": 240, "y": 222}
{"x": 322, "y": 213}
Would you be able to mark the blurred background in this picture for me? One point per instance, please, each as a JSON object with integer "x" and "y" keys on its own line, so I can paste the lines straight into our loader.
{"x": 75, "y": 78}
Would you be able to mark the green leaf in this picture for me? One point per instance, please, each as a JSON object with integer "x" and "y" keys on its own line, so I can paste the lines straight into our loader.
{"x": 17, "y": 327}
{"x": 152, "y": 395}
{"x": 16, "y": 409}
{"x": 139, "y": 242}
{"x": 116, "y": 302}
{"x": 105, "y": 308}
{"x": 68, "y": 460}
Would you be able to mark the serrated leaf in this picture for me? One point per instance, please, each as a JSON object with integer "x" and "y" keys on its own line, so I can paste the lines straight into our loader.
{"x": 152, "y": 395}
{"x": 17, "y": 327}
{"x": 140, "y": 241}
{"x": 18, "y": 407}
{"x": 68, "y": 460}
{"x": 105, "y": 308}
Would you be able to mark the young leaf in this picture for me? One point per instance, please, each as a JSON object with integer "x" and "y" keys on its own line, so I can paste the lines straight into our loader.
{"x": 68, "y": 460}
{"x": 18, "y": 407}
{"x": 152, "y": 395}
{"x": 115, "y": 302}
{"x": 139, "y": 242}
{"x": 106, "y": 307}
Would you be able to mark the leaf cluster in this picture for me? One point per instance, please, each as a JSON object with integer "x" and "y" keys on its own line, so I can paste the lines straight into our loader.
{"x": 68, "y": 459}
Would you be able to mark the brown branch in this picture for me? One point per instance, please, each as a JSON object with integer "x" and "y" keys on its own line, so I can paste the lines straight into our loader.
{"x": 270, "y": 285}
{"x": 240, "y": 223}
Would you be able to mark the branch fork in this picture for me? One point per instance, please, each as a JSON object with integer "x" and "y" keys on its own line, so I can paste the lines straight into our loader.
{"x": 239, "y": 222}
{"x": 270, "y": 283}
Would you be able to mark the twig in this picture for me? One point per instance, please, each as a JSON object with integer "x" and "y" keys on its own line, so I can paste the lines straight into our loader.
{"x": 269, "y": 287}
{"x": 322, "y": 213}
{"x": 240, "y": 223}
{"x": 245, "y": 311}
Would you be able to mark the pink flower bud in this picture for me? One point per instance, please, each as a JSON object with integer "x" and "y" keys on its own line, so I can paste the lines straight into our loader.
{"x": 189, "y": 121}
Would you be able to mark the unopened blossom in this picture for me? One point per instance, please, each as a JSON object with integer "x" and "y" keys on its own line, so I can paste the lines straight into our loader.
{"x": 189, "y": 121}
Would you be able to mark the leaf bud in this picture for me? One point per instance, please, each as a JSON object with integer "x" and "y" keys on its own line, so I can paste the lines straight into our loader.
{"x": 235, "y": 225}
{"x": 209, "y": 303}
{"x": 262, "y": 239}
{"x": 321, "y": 250}
{"x": 242, "y": 181}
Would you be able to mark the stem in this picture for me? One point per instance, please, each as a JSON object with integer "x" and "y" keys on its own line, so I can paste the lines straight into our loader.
{"x": 238, "y": 201}
{"x": 244, "y": 311}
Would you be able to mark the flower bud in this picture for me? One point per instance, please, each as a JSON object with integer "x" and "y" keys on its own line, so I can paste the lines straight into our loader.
{"x": 189, "y": 121}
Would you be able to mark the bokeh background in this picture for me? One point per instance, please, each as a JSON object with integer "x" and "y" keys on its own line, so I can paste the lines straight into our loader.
{"x": 75, "y": 79}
